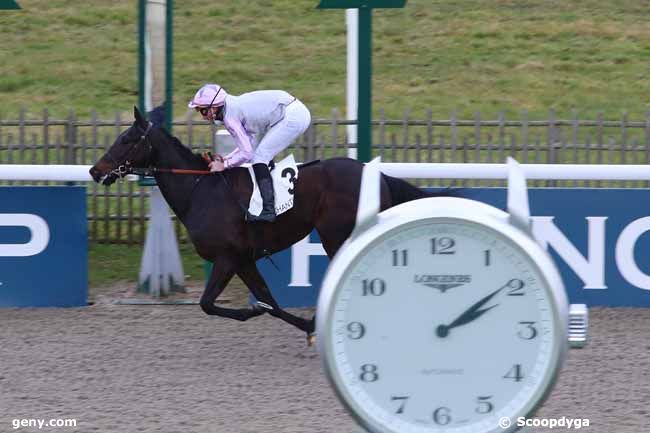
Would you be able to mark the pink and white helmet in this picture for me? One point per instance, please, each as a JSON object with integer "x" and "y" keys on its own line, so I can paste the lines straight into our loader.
{"x": 210, "y": 95}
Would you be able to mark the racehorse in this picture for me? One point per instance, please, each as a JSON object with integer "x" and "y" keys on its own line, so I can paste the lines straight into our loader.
{"x": 210, "y": 206}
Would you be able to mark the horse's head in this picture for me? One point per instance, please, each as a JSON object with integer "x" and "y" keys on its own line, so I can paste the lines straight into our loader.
{"x": 132, "y": 148}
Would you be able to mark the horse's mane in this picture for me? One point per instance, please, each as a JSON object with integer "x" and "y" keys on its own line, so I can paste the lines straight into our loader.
{"x": 198, "y": 158}
{"x": 184, "y": 150}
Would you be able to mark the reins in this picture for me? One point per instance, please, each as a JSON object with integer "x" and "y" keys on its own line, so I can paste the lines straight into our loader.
{"x": 152, "y": 170}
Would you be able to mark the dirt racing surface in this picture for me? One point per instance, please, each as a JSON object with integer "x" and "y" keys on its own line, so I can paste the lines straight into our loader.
{"x": 173, "y": 369}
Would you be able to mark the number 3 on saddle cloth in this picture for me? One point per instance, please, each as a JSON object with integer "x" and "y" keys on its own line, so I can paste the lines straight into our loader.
{"x": 284, "y": 175}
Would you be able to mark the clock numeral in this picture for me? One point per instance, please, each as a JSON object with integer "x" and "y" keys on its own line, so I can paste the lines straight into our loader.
{"x": 403, "y": 400}
{"x": 441, "y": 416}
{"x": 529, "y": 332}
{"x": 400, "y": 257}
{"x": 514, "y": 373}
{"x": 516, "y": 287}
{"x": 356, "y": 330}
{"x": 443, "y": 246}
{"x": 369, "y": 373}
{"x": 484, "y": 404}
{"x": 374, "y": 287}
{"x": 488, "y": 257}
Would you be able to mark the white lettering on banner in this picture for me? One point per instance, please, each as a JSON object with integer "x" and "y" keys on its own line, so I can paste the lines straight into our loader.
{"x": 625, "y": 253}
{"x": 591, "y": 270}
{"x": 300, "y": 253}
{"x": 40, "y": 234}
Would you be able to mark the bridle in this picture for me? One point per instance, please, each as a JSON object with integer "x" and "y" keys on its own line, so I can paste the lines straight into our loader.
{"x": 125, "y": 168}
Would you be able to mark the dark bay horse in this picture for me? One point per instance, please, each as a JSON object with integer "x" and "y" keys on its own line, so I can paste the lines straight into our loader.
{"x": 210, "y": 206}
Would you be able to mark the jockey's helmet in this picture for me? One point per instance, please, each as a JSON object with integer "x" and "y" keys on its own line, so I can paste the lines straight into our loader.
{"x": 210, "y": 95}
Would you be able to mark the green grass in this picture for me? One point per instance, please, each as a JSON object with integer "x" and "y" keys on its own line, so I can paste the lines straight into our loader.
{"x": 109, "y": 263}
{"x": 464, "y": 55}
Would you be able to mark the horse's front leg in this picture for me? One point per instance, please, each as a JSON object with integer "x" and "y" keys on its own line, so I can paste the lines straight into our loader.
{"x": 219, "y": 278}
{"x": 256, "y": 284}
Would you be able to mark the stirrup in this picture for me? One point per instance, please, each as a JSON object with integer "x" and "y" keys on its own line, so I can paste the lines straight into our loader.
{"x": 266, "y": 217}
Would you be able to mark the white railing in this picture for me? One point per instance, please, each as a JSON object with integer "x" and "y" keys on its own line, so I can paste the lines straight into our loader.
{"x": 79, "y": 173}
{"x": 45, "y": 172}
{"x": 41, "y": 172}
{"x": 531, "y": 171}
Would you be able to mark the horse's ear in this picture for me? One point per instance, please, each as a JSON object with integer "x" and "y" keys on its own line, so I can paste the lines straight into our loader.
{"x": 139, "y": 118}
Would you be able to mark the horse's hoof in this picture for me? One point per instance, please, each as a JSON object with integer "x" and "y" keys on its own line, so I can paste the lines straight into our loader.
{"x": 311, "y": 339}
{"x": 263, "y": 306}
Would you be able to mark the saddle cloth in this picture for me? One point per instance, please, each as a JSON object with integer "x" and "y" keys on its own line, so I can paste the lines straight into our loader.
{"x": 284, "y": 175}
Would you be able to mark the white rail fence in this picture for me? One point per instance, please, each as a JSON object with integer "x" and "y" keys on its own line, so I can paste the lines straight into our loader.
{"x": 122, "y": 214}
{"x": 631, "y": 172}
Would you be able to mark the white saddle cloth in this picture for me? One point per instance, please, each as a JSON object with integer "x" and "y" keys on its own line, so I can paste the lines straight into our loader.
{"x": 284, "y": 175}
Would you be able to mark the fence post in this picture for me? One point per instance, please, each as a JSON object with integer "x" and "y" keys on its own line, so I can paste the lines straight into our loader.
{"x": 454, "y": 138}
{"x": 477, "y": 136}
{"x": 600, "y": 143}
{"x": 454, "y": 130}
{"x": 189, "y": 123}
{"x": 501, "y": 120}
{"x": 70, "y": 138}
{"x": 525, "y": 141}
{"x": 646, "y": 140}
{"x": 46, "y": 138}
{"x": 575, "y": 124}
{"x": 382, "y": 132}
{"x": 405, "y": 135}
{"x": 429, "y": 142}
{"x": 21, "y": 131}
{"x": 334, "y": 132}
{"x": 551, "y": 136}
{"x": 624, "y": 138}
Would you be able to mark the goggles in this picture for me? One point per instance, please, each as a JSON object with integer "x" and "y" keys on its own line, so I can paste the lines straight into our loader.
{"x": 205, "y": 110}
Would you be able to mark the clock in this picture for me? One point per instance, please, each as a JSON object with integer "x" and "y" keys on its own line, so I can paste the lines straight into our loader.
{"x": 443, "y": 315}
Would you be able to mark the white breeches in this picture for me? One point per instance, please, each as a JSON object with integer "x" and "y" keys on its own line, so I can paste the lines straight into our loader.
{"x": 296, "y": 121}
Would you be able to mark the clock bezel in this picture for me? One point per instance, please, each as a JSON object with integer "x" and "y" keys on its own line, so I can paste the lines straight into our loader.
{"x": 417, "y": 213}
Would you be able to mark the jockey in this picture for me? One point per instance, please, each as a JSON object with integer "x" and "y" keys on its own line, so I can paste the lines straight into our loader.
{"x": 263, "y": 123}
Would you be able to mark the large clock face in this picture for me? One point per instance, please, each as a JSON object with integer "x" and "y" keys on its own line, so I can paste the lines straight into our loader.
{"x": 443, "y": 326}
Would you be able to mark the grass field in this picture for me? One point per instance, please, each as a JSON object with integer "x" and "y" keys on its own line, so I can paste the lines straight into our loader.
{"x": 462, "y": 56}
{"x": 110, "y": 263}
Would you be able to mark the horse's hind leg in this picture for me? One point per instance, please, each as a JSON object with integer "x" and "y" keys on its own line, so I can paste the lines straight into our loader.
{"x": 219, "y": 278}
{"x": 256, "y": 284}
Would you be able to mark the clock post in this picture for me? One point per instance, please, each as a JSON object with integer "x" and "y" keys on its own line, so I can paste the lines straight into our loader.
{"x": 364, "y": 97}
{"x": 9, "y": 4}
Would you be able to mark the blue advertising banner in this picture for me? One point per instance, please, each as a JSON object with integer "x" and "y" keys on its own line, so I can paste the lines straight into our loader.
{"x": 43, "y": 246}
{"x": 301, "y": 271}
{"x": 599, "y": 239}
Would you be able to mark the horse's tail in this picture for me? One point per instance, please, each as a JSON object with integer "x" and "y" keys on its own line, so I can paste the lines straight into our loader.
{"x": 401, "y": 191}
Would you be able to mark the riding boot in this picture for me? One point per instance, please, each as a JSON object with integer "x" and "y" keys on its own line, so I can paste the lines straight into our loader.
{"x": 265, "y": 184}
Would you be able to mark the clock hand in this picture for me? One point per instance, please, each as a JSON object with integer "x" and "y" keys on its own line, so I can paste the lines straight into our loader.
{"x": 469, "y": 315}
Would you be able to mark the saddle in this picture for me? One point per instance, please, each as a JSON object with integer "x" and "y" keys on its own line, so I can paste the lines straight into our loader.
{"x": 284, "y": 175}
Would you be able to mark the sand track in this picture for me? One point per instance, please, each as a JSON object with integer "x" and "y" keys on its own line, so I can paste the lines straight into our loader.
{"x": 117, "y": 368}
